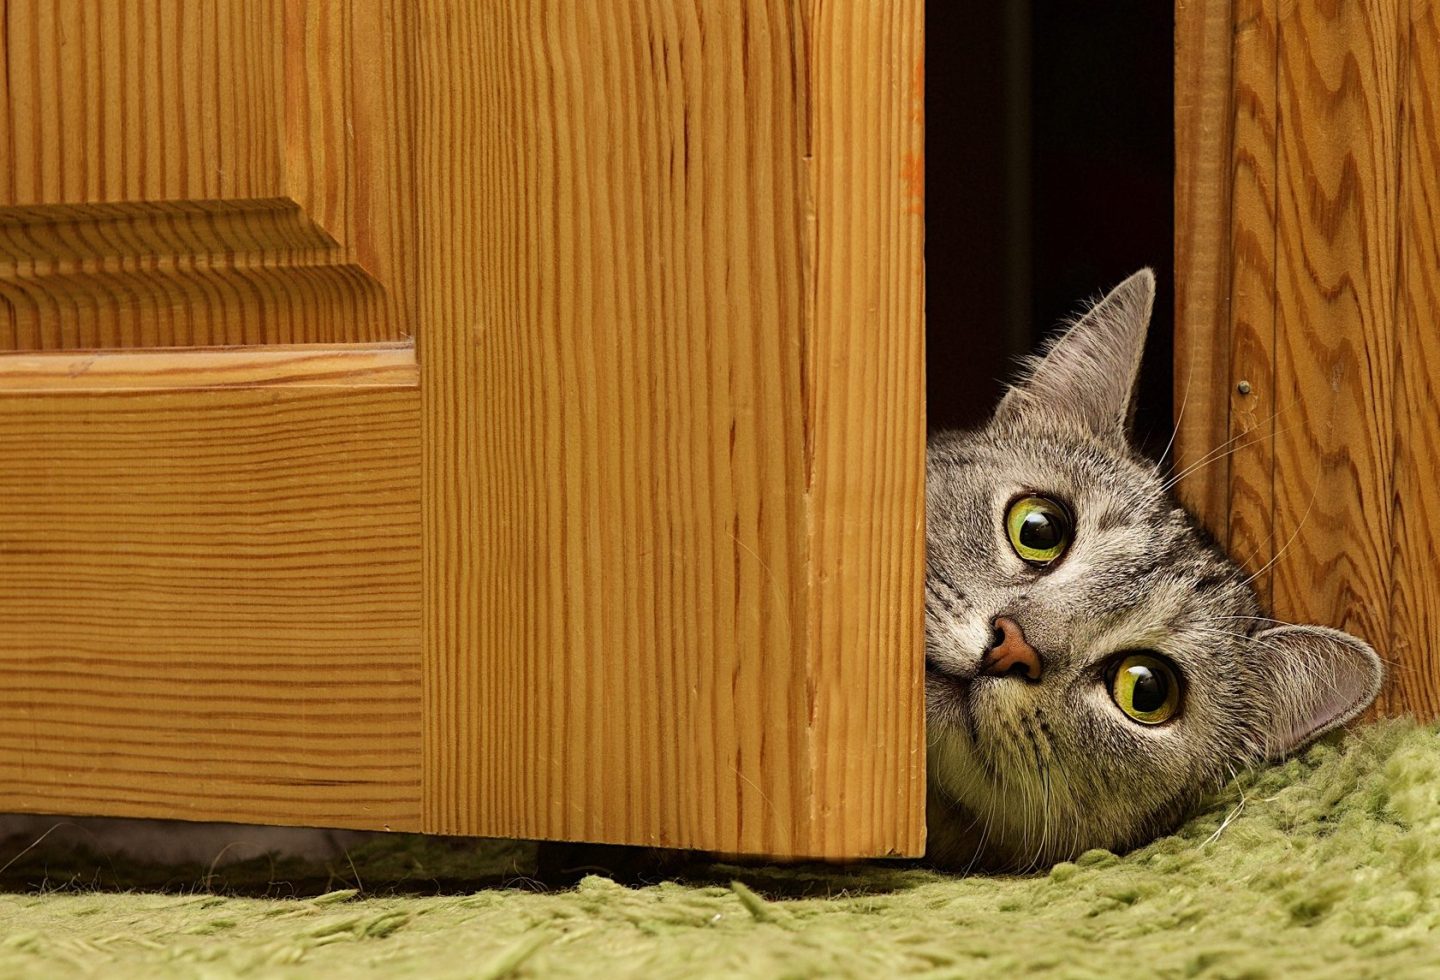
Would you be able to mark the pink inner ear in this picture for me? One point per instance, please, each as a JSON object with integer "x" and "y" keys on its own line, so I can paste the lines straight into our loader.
{"x": 1324, "y": 678}
{"x": 1306, "y": 721}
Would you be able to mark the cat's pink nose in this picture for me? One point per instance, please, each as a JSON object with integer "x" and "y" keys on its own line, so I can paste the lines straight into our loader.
{"x": 1010, "y": 654}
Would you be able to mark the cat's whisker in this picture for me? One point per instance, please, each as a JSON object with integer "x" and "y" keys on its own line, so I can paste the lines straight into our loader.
{"x": 1212, "y": 457}
{"x": 1174, "y": 481}
{"x": 1400, "y": 667}
{"x": 1258, "y": 619}
{"x": 984, "y": 837}
{"x": 1070, "y": 792}
{"x": 1291, "y": 540}
{"x": 1195, "y": 628}
{"x": 1226, "y": 449}
{"x": 1041, "y": 804}
{"x": 1180, "y": 414}
{"x": 1048, "y": 846}
{"x": 30, "y": 847}
{"x": 1042, "y": 773}
{"x": 1235, "y": 811}
{"x": 1249, "y": 768}
{"x": 1207, "y": 459}
{"x": 1021, "y": 790}
{"x": 1029, "y": 791}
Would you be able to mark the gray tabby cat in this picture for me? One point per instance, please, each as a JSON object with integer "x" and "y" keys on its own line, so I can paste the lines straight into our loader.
{"x": 1094, "y": 661}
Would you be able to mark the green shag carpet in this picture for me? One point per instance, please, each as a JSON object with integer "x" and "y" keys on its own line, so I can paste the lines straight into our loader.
{"x": 1327, "y": 866}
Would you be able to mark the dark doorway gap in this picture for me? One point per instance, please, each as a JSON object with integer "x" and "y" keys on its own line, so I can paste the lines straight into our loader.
{"x": 1050, "y": 161}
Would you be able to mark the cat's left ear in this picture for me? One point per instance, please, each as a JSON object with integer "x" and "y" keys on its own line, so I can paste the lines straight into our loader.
{"x": 1089, "y": 373}
{"x": 1312, "y": 679}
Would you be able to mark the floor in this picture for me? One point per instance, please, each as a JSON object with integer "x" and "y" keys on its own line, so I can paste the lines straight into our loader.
{"x": 1326, "y": 866}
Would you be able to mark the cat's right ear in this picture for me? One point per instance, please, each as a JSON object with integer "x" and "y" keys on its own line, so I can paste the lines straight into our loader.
{"x": 1310, "y": 679}
{"x": 1089, "y": 373}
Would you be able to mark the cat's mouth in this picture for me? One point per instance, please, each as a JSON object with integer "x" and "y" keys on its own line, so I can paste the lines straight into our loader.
{"x": 957, "y": 687}
{"x": 951, "y": 693}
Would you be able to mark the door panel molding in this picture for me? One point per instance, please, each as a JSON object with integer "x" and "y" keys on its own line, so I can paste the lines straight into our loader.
{"x": 232, "y": 172}
{"x": 194, "y": 368}
{"x": 179, "y": 273}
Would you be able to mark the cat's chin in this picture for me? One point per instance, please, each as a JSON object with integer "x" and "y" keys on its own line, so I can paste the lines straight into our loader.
{"x": 971, "y": 826}
{"x": 958, "y": 841}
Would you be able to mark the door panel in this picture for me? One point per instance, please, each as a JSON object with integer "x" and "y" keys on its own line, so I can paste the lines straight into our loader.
{"x": 209, "y": 555}
{"x": 175, "y": 173}
{"x": 470, "y": 417}
{"x": 209, "y": 586}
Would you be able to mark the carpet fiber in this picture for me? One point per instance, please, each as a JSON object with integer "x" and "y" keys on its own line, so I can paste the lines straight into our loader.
{"x": 1327, "y": 866}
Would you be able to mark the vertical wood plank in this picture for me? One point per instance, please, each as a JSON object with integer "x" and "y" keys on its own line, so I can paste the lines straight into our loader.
{"x": 1340, "y": 72}
{"x": 866, "y": 425}
{"x": 1414, "y": 635}
{"x": 141, "y": 101}
{"x": 671, "y": 553}
{"x": 1245, "y": 461}
{"x": 1226, "y": 176}
{"x": 346, "y": 142}
{"x": 1204, "y": 131}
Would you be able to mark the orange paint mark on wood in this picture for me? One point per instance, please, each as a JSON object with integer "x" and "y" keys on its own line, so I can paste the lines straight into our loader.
{"x": 912, "y": 172}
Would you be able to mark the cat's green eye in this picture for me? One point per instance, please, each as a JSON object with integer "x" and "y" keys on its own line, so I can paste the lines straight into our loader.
{"x": 1145, "y": 688}
{"x": 1039, "y": 529}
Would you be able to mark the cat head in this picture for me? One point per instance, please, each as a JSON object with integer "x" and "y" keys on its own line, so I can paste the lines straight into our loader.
{"x": 1094, "y": 661}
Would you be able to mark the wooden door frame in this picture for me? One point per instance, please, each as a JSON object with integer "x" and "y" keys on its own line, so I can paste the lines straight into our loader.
{"x": 1308, "y": 288}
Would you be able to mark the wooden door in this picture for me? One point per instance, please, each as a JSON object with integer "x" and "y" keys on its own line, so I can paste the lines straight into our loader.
{"x": 1308, "y": 302}
{"x": 496, "y": 419}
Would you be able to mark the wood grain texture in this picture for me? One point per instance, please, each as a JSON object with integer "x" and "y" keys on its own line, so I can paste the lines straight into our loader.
{"x": 196, "y": 368}
{"x": 1246, "y": 457}
{"x": 201, "y": 172}
{"x": 1226, "y": 153}
{"x": 1204, "y": 130}
{"x": 1335, "y": 311}
{"x": 1414, "y": 612}
{"x": 865, "y": 428}
{"x": 211, "y": 604}
{"x": 626, "y": 548}
{"x": 670, "y": 285}
{"x": 1333, "y": 305}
